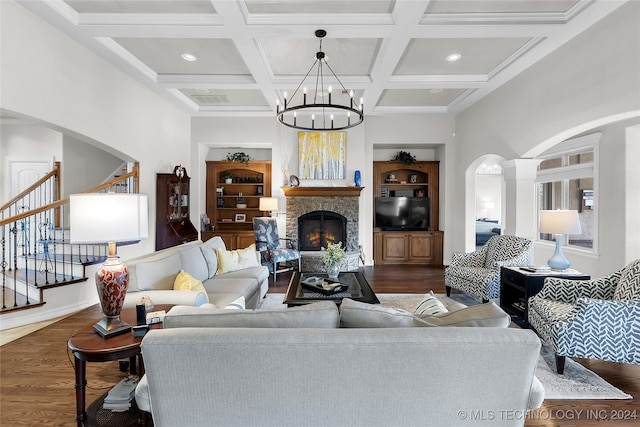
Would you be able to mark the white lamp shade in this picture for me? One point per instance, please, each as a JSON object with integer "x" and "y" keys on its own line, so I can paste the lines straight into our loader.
{"x": 268, "y": 204}
{"x": 108, "y": 217}
{"x": 560, "y": 222}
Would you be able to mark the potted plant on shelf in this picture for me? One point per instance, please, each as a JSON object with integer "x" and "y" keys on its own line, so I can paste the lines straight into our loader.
{"x": 331, "y": 257}
{"x": 239, "y": 157}
{"x": 404, "y": 157}
{"x": 228, "y": 178}
{"x": 241, "y": 202}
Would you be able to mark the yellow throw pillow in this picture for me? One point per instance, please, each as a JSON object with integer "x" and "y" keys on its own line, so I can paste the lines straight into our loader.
{"x": 186, "y": 282}
{"x": 237, "y": 260}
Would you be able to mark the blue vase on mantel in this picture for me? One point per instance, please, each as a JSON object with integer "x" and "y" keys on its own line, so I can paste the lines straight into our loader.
{"x": 357, "y": 179}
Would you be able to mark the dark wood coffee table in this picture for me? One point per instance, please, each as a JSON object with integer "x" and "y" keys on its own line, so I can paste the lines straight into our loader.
{"x": 88, "y": 346}
{"x": 359, "y": 289}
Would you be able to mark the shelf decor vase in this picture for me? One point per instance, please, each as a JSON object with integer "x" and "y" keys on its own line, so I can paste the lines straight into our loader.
{"x": 357, "y": 179}
{"x": 333, "y": 271}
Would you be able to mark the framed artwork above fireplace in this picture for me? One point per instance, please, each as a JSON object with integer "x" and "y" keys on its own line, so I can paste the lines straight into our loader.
{"x": 322, "y": 155}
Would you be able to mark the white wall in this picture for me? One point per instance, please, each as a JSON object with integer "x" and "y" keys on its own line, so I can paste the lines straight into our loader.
{"x": 632, "y": 193}
{"x": 488, "y": 191}
{"x": 25, "y": 140}
{"x": 85, "y": 166}
{"x": 574, "y": 89}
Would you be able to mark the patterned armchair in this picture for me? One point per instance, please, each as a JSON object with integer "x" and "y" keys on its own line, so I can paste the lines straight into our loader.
{"x": 478, "y": 273}
{"x": 597, "y": 319}
{"x": 272, "y": 254}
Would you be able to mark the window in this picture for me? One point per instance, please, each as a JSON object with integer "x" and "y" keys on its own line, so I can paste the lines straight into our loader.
{"x": 566, "y": 180}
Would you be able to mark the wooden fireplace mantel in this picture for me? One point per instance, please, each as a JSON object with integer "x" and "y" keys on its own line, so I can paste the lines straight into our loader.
{"x": 322, "y": 191}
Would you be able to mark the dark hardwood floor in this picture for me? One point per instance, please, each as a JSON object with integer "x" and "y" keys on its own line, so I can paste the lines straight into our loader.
{"x": 37, "y": 376}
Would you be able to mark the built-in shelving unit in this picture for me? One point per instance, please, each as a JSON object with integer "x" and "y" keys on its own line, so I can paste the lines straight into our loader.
{"x": 397, "y": 179}
{"x": 233, "y": 198}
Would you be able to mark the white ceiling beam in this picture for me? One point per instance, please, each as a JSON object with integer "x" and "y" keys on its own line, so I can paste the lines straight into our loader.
{"x": 406, "y": 15}
{"x": 248, "y": 48}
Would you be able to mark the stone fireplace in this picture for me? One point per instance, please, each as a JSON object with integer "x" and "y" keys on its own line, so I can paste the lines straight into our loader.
{"x": 332, "y": 210}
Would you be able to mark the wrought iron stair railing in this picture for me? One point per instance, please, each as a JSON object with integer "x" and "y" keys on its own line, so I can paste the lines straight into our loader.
{"x": 36, "y": 252}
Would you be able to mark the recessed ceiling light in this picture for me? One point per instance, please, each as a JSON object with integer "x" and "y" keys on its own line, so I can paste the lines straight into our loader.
{"x": 436, "y": 90}
{"x": 453, "y": 57}
{"x": 189, "y": 57}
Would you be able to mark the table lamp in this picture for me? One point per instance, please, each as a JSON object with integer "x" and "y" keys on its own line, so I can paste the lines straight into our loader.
{"x": 559, "y": 223}
{"x": 109, "y": 218}
{"x": 268, "y": 204}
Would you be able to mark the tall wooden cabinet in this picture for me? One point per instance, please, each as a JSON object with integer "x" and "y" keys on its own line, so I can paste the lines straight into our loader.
{"x": 173, "y": 225}
{"x": 233, "y": 202}
{"x": 396, "y": 179}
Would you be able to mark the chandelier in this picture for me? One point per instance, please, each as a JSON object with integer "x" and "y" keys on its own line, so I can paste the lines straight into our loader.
{"x": 321, "y": 114}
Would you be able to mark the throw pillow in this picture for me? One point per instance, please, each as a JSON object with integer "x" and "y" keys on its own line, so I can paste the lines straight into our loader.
{"x": 211, "y": 259}
{"x": 186, "y": 282}
{"x": 355, "y": 314}
{"x": 237, "y": 304}
{"x": 193, "y": 261}
{"x": 629, "y": 284}
{"x": 487, "y": 315}
{"x": 236, "y": 260}
{"x": 430, "y": 305}
{"x": 208, "y": 249}
{"x": 323, "y": 314}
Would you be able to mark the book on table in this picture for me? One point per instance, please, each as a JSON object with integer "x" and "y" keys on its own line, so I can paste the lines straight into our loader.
{"x": 120, "y": 396}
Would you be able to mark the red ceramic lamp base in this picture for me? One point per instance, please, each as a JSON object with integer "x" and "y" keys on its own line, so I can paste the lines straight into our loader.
{"x": 112, "y": 279}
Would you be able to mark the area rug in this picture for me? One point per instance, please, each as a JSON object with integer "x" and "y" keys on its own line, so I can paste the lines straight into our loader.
{"x": 577, "y": 382}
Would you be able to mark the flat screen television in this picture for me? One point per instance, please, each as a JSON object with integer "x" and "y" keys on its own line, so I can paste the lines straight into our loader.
{"x": 402, "y": 213}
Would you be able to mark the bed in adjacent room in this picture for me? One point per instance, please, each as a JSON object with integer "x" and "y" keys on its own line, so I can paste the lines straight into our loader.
{"x": 486, "y": 229}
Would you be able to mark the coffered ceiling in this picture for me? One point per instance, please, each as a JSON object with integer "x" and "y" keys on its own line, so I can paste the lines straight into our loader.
{"x": 392, "y": 53}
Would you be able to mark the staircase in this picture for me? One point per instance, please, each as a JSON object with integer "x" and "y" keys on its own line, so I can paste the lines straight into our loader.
{"x": 36, "y": 252}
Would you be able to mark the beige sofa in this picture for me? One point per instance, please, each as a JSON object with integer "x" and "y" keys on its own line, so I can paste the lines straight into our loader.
{"x": 303, "y": 366}
{"x": 154, "y": 274}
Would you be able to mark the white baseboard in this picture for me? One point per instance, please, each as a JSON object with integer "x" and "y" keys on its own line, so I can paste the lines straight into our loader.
{"x": 41, "y": 314}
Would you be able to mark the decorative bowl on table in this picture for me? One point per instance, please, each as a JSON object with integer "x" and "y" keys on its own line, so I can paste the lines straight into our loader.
{"x": 323, "y": 285}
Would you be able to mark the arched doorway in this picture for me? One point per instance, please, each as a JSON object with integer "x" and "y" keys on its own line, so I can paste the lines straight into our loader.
{"x": 484, "y": 207}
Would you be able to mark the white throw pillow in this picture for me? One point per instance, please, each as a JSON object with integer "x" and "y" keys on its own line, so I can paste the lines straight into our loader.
{"x": 431, "y": 306}
{"x": 237, "y": 304}
{"x": 208, "y": 249}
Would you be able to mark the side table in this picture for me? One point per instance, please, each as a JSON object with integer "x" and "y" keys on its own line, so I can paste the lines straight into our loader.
{"x": 518, "y": 285}
{"x": 88, "y": 346}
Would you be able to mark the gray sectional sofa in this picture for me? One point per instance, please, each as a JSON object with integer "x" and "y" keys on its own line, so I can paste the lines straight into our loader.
{"x": 318, "y": 365}
{"x": 154, "y": 274}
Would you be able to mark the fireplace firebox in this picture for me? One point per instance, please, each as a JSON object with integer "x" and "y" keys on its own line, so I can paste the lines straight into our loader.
{"x": 318, "y": 228}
